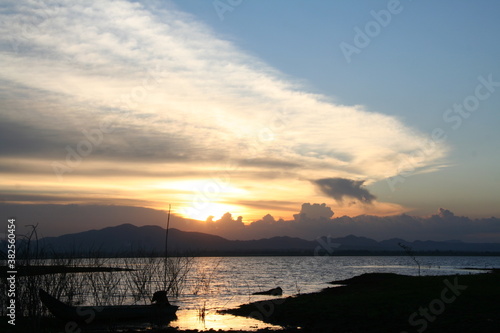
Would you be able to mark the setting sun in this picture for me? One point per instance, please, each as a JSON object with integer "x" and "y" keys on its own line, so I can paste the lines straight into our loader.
{"x": 204, "y": 198}
{"x": 207, "y": 209}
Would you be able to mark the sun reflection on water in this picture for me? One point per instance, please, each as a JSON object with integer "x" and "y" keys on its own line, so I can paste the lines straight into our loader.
{"x": 190, "y": 319}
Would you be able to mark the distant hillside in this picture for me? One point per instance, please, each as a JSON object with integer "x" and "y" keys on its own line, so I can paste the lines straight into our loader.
{"x": 128, "y": 239}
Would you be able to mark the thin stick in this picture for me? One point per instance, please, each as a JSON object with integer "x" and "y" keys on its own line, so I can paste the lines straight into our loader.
{"x": 166, "y": 250}
{"x": 166, "y": 233}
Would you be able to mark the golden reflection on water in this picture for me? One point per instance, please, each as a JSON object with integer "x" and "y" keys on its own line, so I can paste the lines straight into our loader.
{"x": 189, "y": 319}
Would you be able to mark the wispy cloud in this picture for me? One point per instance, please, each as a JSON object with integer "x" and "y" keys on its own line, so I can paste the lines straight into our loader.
{"x": 175, "y": 92}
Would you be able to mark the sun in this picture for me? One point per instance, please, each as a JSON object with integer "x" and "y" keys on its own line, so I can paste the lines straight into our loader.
{"x": 204, "y": 210}
{"x": 204, "y": 197}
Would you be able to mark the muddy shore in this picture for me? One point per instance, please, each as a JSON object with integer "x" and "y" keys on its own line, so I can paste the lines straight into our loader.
{"x": 380, "y": 302}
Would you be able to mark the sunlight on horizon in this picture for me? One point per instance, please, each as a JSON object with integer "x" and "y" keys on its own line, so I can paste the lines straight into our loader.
{"x": 207, "y": 209}
{"x": 205, "y": 198}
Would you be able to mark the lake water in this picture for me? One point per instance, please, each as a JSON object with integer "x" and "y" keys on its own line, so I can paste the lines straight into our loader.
{"x": 216, "y": 283}
{"x": 236, "y": 278}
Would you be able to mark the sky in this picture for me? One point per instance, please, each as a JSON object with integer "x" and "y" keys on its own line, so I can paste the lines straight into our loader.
{"x": 373, "y": 108}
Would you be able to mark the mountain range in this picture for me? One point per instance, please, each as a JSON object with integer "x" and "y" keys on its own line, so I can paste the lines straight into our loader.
{"x": 130, "y": 239}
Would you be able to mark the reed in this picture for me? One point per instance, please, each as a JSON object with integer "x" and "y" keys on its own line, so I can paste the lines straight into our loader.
{"x": 202, "y": 283}
{"x": 202, "y": 311}
{"x": 143, "y": 276}
{"x": 177, "y": 269}
{"x": 409, "y": 251}
{"x": 140, "y": 277}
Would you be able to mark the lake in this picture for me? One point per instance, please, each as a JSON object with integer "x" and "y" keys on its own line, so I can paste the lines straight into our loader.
{"x": 236, "y": 278}
{"x": 216, "y": 283}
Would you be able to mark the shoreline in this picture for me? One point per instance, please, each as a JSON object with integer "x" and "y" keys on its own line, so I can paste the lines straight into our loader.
{"x": 371, "y": 302}
{"x": 389, "y": 302}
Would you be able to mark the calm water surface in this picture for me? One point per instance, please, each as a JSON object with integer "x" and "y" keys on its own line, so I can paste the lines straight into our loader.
{"x": 230, "y": 281}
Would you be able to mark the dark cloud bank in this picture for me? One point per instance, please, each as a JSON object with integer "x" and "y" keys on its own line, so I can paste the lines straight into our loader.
{"x": 342, "y": 188}
{"x": 312, "y": 221}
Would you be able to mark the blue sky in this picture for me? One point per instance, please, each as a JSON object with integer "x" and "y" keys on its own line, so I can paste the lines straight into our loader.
{"x": 252, "y": 110}
{"x": 425, "y": 60}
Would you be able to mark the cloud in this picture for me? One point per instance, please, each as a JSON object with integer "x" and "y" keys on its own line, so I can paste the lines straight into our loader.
{"x": 180, "y": 101}
{"x": 314, "y": 212}
{"x": 226, "y": 222}
{"x": 151, "y": 70}
{"x": 60, "y": 219}
{"x": 341, "y": 188}
{"x": 270, "y": 204}
{"x": 56, "y": 220}
{"x": 439, "y": 227}
{"x": 445, "y": 213}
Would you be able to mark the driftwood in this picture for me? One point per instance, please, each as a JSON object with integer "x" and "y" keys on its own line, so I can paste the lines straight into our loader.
{"x": 274, "y": 292}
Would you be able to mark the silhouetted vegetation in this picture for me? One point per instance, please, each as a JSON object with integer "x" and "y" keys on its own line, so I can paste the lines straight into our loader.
{"x": 409, "y": 251}
{"x": 92, "y": 280}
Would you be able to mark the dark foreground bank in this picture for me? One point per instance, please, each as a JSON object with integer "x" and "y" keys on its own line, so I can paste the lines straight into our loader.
{"x": 380, "y": 302}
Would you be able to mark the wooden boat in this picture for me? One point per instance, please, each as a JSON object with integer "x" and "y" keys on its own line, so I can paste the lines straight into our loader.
{"x": 90, "y": 314}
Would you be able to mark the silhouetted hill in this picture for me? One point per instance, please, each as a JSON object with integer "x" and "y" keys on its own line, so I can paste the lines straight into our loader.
{"x": 128, "y": 239}
{"x": 352, "y": 242}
